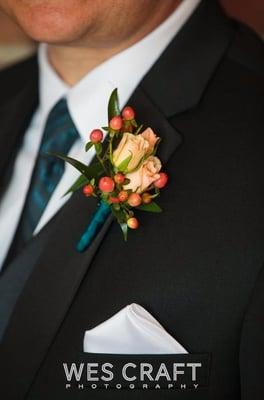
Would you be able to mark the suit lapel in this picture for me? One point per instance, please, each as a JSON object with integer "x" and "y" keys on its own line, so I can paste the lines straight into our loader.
{"x": 149, "y": 115}
{"x": 16, "y": 109}
{"x": 178, "y": 80}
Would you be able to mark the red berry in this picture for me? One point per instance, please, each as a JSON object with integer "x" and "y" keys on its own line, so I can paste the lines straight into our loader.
{"x": 128, "y": 113}
{"x": 114, "y": 200}
{"x": 116, "y": 123}
{"x": 123, "y": 196}
{"x": 119, "y": 178}
{"x": 88, "y": 190}
{"x": 162, "y": 181}
{"x": 132, "y": 223}
{"x": 146, "y": 198}
{"x": 134, "y": 200}
{"x": 106, "y": 184}
{"x": 96, "y": 136}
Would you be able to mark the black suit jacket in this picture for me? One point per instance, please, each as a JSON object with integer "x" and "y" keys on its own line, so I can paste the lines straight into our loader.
{"x": 197, "y": 267}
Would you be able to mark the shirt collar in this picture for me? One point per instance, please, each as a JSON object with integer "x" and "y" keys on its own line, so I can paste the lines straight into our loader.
{"x": 87, "y": 100}
{"x": 51, "y": 87}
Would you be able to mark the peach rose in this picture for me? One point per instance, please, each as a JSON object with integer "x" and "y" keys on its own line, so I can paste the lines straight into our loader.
{"x": 130, "y": 145}
{"x": 144, "y": 176}
{"x": 136, "y": 146}
{"x": 151, "y": 137}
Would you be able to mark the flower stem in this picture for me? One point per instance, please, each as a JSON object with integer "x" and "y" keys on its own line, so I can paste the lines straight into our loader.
{"x": 101, "y": 162}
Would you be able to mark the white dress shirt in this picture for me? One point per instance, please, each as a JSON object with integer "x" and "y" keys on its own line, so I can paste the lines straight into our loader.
{"x": 87, "y": 102}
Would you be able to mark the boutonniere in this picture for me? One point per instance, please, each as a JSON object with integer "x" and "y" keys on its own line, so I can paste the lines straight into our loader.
{"x": 126, "y": 175}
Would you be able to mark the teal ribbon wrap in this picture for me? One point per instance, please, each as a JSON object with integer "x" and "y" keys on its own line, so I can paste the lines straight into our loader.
{"x": 97, "y": 221}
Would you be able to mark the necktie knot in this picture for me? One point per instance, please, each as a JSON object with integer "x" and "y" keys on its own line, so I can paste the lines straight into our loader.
{"x": 60, "y": 132}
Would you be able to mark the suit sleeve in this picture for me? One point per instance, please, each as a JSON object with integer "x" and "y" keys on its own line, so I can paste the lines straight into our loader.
{"x": 252, "y": 345}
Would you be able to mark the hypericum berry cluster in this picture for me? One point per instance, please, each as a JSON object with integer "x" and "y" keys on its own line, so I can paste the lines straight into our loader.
{"x": 126, "y": 122}
{"x": 111, "y": 187}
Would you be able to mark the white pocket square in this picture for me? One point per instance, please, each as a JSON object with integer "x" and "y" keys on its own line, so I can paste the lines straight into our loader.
{"x": 132, "y": 330}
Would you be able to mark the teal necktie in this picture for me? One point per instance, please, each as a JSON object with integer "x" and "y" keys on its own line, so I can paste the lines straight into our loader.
{"x": 59, "y": 135}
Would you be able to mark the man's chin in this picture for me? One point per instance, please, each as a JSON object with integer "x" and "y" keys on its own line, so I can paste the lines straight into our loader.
{"x": 52, "y": 32}
{"x": 50, "y": 24}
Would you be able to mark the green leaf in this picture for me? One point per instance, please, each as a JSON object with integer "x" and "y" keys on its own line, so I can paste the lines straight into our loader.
{"x": 124, "y": 228}
{"x": 156, "y": 147}
{"x": 134, "y": 123}
{"x": 92, "y": 171}
{"x": 80, "y": 182}
{"x": 121, "y": 219}
{"x": 113, "y": 105}
{"x": 119, "y": 214}
{"x": 95, "y": 170}
{"x": 88, "y": 146}
{"x": 124, "y": 164}
{"x": 138, "y": 129}
{"x": 98, "y": 148}
{"x": 151, "y": 207}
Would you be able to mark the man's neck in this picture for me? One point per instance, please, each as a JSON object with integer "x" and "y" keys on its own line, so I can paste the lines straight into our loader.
{"x": 74, "y": 61}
